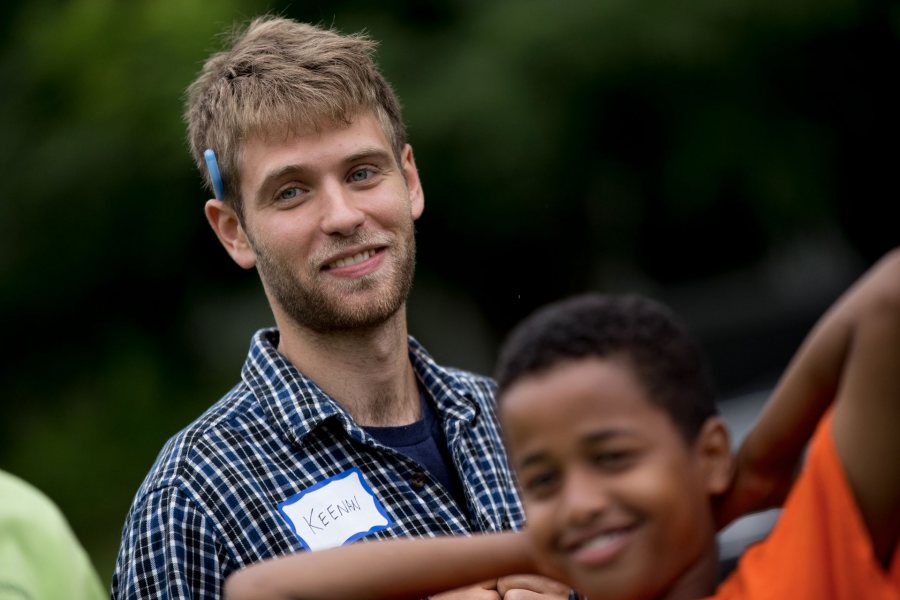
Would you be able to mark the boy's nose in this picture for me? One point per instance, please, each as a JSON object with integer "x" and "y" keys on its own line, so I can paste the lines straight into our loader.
{"x": 341, "y": 215}
{"x": 585, "y": 500}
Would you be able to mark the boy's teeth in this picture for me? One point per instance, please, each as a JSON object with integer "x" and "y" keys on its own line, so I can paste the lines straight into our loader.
{"x": 352, "y": 260}
{"x": 603, "y": 540}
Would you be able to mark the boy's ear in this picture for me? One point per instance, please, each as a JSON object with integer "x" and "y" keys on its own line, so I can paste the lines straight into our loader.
{"x": 230, "y": 231}
{"x": 713, "y": 451}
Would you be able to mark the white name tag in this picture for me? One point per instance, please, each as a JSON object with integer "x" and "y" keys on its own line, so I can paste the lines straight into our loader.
{"x": 336, "y": 511}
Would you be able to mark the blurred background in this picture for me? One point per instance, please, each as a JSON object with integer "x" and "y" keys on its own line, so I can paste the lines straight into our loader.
{"x": 735, "y": 159}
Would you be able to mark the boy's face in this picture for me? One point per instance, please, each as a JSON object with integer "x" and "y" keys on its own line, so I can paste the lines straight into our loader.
{"x": 617, "y": 502}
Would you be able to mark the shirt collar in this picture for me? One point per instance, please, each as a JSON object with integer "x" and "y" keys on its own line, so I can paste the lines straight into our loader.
{"x": 296, "y": 405}
{"x": 452, "y": 396}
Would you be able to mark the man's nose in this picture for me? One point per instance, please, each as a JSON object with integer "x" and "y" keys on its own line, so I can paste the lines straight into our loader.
{"x": 341, "y": 215}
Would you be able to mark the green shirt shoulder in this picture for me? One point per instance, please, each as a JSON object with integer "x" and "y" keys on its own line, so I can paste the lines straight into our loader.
{"x": 40, "y": 556}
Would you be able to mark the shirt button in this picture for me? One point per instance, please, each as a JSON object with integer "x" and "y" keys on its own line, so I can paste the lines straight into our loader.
{"x": 418, "y": 480}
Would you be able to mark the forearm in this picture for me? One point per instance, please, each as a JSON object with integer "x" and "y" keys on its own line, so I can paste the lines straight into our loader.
{"x": 778, "y": 438}
{"x": 385, "y": 569}
{"x": 810, "y": 382}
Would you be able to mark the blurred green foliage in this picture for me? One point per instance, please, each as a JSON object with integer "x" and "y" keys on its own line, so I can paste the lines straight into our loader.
{"x": 563, "y": 146}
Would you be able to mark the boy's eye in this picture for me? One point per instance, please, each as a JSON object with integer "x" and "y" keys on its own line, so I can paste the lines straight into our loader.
{"x": 539, "y": 483}
{"x": 613, "y": 459}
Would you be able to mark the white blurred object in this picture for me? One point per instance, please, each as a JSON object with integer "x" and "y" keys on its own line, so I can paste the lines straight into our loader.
{"x": 740, "y": 413}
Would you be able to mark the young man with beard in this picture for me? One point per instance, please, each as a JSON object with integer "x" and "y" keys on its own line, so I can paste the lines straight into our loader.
{"x": 342, "y": 426}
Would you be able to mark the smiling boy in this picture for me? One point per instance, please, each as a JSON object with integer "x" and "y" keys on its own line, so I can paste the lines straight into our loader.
{"x": 606, "y": 478}
{"x": 626, "y": 470}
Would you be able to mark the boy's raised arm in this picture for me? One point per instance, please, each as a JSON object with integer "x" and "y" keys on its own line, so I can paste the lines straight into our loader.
{"x": 851, "y": 358}
{"x": 395, "y": 569}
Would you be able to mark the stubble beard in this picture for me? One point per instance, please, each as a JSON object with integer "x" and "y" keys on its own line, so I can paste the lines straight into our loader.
{"x": 324, "y": 309}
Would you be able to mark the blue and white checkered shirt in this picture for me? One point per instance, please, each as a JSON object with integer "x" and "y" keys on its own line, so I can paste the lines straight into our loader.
{"x": 210, "y": 504}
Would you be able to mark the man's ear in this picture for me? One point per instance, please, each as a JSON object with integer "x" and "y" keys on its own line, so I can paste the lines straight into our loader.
{"x": 712, "y": 449}
{"x": 413, "y": 183}
{"x": 225, "y": 222}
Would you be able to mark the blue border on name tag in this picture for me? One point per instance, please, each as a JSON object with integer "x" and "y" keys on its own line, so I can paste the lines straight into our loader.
{"x": 365, "y": 484}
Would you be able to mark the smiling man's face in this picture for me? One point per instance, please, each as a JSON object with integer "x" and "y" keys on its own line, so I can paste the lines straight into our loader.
{"x": 329, "y": 216}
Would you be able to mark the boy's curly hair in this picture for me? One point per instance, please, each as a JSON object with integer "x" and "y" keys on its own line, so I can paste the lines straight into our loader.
{"x": 666, "y": 359}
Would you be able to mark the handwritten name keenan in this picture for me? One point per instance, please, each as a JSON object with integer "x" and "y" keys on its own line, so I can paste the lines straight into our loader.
{"x": 335, "y": 511}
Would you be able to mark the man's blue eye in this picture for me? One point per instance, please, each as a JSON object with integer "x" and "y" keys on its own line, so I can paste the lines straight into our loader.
{"x": 360, "y": 175}
{"x": 289, "y": 193}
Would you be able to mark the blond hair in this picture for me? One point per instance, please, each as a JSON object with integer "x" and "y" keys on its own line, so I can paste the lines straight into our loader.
{"x": 279, "y": 78}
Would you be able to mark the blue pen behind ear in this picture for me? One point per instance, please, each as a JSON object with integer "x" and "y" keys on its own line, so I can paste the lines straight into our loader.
{"x": 213, "y": 166}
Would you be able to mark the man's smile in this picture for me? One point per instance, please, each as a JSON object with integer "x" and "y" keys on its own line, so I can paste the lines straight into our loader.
{"x": 356, "y": 262}
{"x": 351, "y": 260}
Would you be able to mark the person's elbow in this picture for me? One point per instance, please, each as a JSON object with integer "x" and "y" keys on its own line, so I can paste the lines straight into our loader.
{"x": 248, "y": 584}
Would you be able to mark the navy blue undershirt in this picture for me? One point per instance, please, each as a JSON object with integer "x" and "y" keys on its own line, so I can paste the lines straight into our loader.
{"x": 424, "y": 442}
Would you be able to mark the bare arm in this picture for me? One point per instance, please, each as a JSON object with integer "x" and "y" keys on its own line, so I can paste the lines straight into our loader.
{"x": 396, "y": 569}
{"x": 851, "y": 358}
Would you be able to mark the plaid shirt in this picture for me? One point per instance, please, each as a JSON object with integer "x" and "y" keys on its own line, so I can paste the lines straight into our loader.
{"x": 210, "y": 504}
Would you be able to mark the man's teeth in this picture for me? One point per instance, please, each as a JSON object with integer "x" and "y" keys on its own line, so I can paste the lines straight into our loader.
{"x": 352, "y": 260}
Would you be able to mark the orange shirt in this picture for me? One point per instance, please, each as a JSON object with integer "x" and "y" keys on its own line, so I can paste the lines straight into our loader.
{"x": 819, "y": 549}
